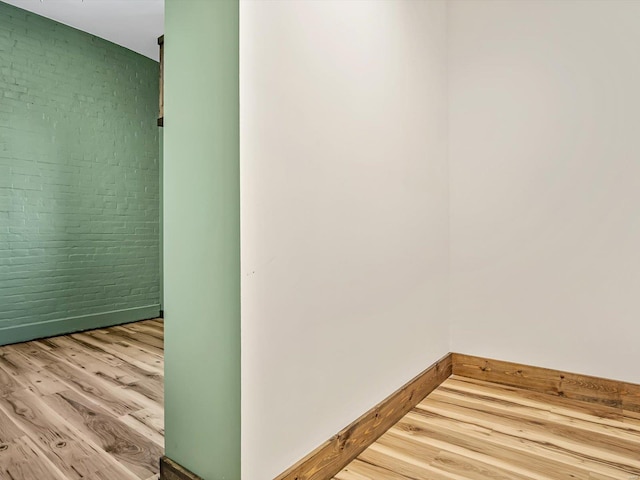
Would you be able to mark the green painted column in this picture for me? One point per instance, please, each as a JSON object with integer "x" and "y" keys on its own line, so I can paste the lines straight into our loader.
{"x": 202, "y": 237}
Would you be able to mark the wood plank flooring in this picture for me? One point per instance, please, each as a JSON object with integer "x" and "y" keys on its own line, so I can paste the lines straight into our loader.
{"x": 472, "y": 429}
{"x": 84, "y": 406}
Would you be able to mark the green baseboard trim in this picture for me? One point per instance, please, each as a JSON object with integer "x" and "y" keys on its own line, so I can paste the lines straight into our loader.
{"x": 170, "y": 470}
{"x": 51, "y": 328}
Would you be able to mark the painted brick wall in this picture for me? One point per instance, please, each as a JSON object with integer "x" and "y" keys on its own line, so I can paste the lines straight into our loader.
{"x": 79, "y": 179}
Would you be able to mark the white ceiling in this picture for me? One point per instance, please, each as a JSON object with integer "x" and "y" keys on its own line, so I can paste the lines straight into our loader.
{"x": 135, "y": 24}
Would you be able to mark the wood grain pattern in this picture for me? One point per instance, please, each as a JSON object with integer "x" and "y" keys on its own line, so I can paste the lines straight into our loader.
{"x": 584, "y": 388}
{"x": 333, "y": 455}
{"x": 21, "y": 460}
{"x": 134, "y": 353}
{"x": 75, "y": 407}
{"x": 170, "y": 470}
{"x": 62, "y": 445}
{"x": 104, "y": 345}
{"x": 470, "y": 429}
{"x": 129, "y": 447}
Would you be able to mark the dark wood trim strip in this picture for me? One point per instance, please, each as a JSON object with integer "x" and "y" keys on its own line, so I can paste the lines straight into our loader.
{"x": 170, "y": 470}
{"x": 585, "y": 388}
{"x": 332, "y": 456}
{"x": 161, "y": 83}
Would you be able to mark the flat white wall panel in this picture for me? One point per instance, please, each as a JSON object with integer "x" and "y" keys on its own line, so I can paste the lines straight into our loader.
{"x": 545, "y": 183}
{"x": 344, "y": 193}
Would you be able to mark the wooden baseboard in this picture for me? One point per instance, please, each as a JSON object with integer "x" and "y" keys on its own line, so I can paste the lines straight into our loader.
{"x": 336, "y": 453}
{"x": 331, "y": 457}
{"x": 170, "y": 470}
{"x": 611, "y": 393}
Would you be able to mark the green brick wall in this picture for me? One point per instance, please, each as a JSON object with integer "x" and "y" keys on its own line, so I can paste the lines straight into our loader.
{"x": 79, "y": 180}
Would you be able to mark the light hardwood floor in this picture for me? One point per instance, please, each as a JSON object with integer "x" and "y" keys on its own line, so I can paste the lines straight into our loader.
{"x": 471, "y": 429}
{"x": 84, "y": 406}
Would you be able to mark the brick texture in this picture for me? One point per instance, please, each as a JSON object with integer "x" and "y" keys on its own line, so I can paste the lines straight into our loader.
{"x": 79, "y": 177}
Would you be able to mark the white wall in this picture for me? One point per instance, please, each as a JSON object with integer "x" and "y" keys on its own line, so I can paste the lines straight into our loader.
{"x": 344, "y": 215}
{"x": 545, "y": 183}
